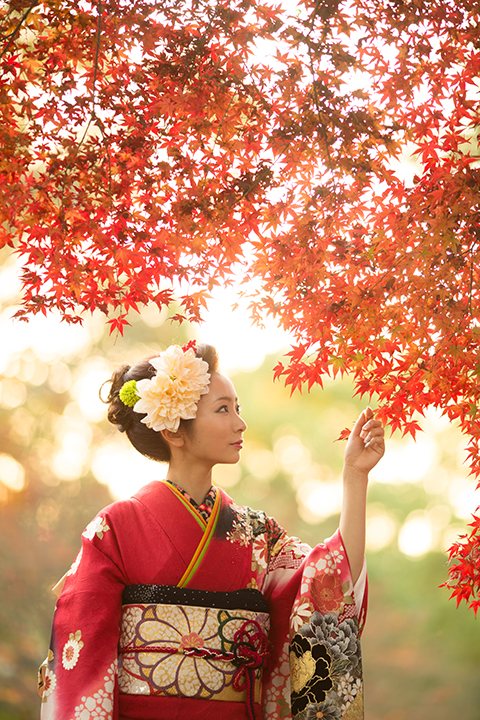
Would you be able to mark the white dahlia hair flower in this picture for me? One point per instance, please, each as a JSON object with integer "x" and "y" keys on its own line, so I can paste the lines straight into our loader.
{"x": 173, "y": 393}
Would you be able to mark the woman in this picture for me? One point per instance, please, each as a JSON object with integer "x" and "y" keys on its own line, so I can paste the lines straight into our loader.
{"x": 181, "y": 604}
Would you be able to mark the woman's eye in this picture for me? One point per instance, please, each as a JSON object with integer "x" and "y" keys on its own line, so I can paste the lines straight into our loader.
{"x": 225, "y": 408}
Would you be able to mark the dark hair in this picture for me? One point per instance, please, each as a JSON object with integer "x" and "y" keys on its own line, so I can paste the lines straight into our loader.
{"x": 147, "y": 441}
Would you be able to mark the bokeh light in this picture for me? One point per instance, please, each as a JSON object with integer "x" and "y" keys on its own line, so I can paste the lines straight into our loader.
{"x": 416, "y": 537}
{"x": 241, "y": 345}
{"x": 407, "y": 461}
{"x": 12, "y": 473}
{"x": 382, "y": 527}
{"x": 123, "y": 469}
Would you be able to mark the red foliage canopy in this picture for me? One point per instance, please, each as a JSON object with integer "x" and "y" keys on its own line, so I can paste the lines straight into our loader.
{"x": 146, "y": 151}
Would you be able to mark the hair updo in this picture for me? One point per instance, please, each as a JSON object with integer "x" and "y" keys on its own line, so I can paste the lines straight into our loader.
{"x": 147, "y": 441}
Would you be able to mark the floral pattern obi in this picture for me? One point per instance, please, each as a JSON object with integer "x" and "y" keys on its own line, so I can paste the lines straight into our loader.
{"x": 191, "y": 650}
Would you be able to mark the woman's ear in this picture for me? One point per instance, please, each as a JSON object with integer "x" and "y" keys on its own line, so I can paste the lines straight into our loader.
{"x": 176, "y": 439}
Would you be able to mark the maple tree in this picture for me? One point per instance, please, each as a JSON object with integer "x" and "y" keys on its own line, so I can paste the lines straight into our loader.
{"x": 146, "y": 153}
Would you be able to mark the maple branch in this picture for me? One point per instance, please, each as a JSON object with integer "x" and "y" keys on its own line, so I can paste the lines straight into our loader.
{"x": 422, "y": 366}
{"x": 97, "y": 51}
{"x": 314, "y": 85}
{"x": 380, "y": 280}
{"x": 109, "y": 159}
{"x": 93, "y": 115}
{"x": 18, "y": 26}
{"x": 201, "y": 43}
{"x": 98, "y": 122}
{"x": 471, "y": 288}
{"x": 317, "y": 105}
{"x": 204, "y": 180}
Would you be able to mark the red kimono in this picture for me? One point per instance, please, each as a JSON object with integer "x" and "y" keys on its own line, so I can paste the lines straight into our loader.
{"x": 166, "y": 615}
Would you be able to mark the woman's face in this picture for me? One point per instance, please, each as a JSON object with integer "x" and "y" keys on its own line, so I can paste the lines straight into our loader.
{"x": 215, "y": 436}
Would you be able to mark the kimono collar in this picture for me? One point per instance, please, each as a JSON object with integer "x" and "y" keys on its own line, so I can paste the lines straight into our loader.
{"x": 205, "y": 508}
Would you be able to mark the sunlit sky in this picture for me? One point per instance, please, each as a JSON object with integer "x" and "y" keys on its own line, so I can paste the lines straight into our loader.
{"x": 241, "y": 345}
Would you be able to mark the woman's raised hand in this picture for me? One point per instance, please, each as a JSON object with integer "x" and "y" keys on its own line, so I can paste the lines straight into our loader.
{"x": 366, "y": 443}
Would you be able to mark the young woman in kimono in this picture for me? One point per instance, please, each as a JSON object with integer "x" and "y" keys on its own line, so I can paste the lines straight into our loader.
{"x": 181, "y": 604}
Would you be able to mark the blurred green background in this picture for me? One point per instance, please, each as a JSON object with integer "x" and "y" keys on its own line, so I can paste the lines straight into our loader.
{"x": 60, "y": 462}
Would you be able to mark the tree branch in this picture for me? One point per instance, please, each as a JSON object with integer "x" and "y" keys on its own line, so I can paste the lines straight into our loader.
{"x": 18, "y": 26}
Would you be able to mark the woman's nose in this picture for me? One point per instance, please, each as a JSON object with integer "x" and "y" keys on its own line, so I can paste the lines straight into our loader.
{"x": 242, "y": 425}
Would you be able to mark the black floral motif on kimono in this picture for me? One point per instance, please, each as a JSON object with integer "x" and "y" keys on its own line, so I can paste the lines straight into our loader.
{"x": 310, "y": 673}
{"x": 341, "y": 638}
{"x": 255, "y": 523}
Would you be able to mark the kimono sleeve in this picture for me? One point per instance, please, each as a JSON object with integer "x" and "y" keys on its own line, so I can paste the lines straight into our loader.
{"x": 316, "y": 668}
{"x": 81, "y": 676}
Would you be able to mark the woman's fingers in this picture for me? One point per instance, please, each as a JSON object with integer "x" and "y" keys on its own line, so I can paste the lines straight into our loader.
{"x": 374, "y": 436}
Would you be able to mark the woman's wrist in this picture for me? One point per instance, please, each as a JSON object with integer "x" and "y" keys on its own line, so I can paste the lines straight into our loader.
{"x": 352, "y": 474}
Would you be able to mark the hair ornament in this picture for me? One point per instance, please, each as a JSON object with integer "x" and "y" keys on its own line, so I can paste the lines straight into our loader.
{"x": 173, "y": 392}
{"x": 128, "y": 393}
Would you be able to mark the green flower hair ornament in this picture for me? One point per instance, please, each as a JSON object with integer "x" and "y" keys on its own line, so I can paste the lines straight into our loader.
{"x": 128, "y": 393}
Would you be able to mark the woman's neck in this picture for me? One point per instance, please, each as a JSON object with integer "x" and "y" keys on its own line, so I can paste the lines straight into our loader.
{"x": 196, "y": 481}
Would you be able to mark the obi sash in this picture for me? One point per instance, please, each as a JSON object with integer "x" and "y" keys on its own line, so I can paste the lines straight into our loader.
{"x": 183, "y": 642}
